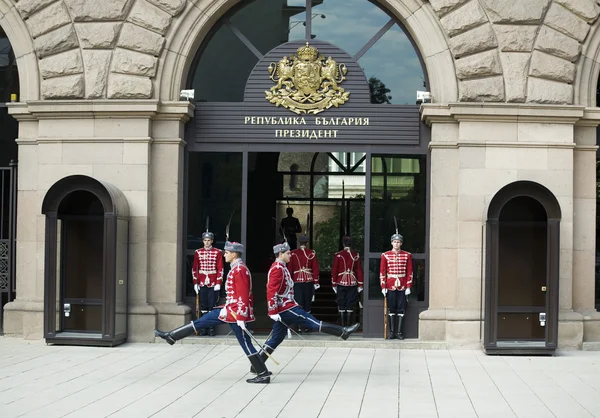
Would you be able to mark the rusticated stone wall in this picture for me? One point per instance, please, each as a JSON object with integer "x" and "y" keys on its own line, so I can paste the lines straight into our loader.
{"x": 514, "y": 50}
{"x": 98, "y": 49}
{"x": 503, "y": 50}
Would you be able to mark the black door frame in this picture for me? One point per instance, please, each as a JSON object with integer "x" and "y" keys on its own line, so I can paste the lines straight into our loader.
{"x": 372, "y": 309}
{"x": 553, "y": 212}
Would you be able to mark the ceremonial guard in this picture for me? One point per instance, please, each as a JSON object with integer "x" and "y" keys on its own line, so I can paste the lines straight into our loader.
{"x": 284, "y": 310}
{"x": 346, "y": 279}
{"x": 304, "y": 268}
{"x": 237, "y": 311}
{"x": 395, "y": 275}
{"x": 207, "y": 273}
{"x": 290, "y": 225}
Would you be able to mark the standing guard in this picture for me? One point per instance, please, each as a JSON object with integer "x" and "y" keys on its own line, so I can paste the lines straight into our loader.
{"x": 284, "y": 310}
{"x": 304, "y": 268}
{"x": 395, "y": 275}
{"x": 207, "y": 273}
{"x": 238, "y": 309}
{"x": 346, "y": 280}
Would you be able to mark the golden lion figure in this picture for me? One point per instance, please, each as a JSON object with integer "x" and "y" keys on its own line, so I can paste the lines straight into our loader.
{"x": 307, "y": 82}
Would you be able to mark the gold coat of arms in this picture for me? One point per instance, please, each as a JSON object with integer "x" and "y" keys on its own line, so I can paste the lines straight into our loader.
{"x": 307, "y": 82}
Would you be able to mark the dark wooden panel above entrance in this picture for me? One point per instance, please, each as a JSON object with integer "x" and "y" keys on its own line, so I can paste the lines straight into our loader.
{"x": 265, "y": 123}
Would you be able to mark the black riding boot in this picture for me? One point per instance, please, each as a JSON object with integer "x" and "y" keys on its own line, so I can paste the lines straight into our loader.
{"x": 343, "y": 318}
{"x": 212, "y": 332}
{"x": 343, "y": 332}
{"x": 263, "y": 375}
{"x": 263, "y": 357}
{"x": 399, "y": 319}
{"x": 176, "y": 334}
{"x": 391, "y": 326}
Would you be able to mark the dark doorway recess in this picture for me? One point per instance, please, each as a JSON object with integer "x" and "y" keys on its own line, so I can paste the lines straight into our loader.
{"x": 522, "y": 270}
{"x": 85, "y": 268}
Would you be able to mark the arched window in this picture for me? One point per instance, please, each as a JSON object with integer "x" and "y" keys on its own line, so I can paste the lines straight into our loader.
{"x": 9, "y": 84}
{"x": 376, "y": 41}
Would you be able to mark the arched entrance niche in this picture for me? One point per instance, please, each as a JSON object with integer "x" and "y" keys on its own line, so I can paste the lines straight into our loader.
{"x": 85, "y": 263}
{"x": 522, "y": 265}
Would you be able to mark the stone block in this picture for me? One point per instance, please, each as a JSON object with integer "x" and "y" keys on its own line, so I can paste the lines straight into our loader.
{"x": 584, "y": 175}
{"x": 49, "y": 174}
{"x": 136, "y": 153}
{"x": 471, "y": 157}
{"x": 28, "y": 166}
{"x": 444, "y": 132}
{"x": 472, "y": 209}
{"x": 50, "y": 153}
{"x": 570, "y": 335}
{"x": 548, "y": 133}
{"x": 566, "y": 22}
{"x": 469, "y": 236}
{"x": 444, "y": 169}
{"x": 584, "y": 237}
{"x": 484, "y": 182}
{"x": 172, "y": 315}
{"x": 141, "y": 322}
{"x": 511, "y": 11}
{"x": 96, "y": 73}
{"x": 65, "y": 63}
{"x": 86, "y": 11}
{"x": 482, "y": 132}
{"x": 130, "y": 62}
{"x": 28, "y": 209}
{"x": 515, "y": 66}
{"x": 586, "y": 9}
{"x": 48, "y": 19}
{"x": 466, "y": 17}
{"x": 123, "y": 128}
{"x": 560, "y": 159}
{"x": 516, "y": 38}
{"x": 443, "y": 276}
{"x": 165, "y": 269}
{"x": 122, "y": 86}
{"x": 59, "y": 40}
{"x": 584, "y": 284}
{"x": 483, "y": 64}
{"x": 550, "y": 67}
{"x": 28, "y": 7}
{"x": 591, "y": 325}
{"x": 92, "y": 153}
{"x": 139, "y": 39}
{"x": 166, "y": 210}
{"x": 98, "y": 34}
{"x": 478, "y": 39}
{"x": 469, "y": 263}
{"x": 463, "y": 334}
{"x": 556, "y": 43}
{"x": 173, "y": 7}
{"x": 125, "y": 177}
{"x": 488, "y": 89}
{"x": 540, "y": 90}
{"x": 68, "y": 87}
{"x": 150, "y": 17}
{"x": 443, "y": 7}
{"x": 444, "y": 218}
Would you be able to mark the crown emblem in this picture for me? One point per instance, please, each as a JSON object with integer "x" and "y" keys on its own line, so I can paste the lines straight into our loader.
{"x": 308, "y": 53}
{"x": 307, "y": 82}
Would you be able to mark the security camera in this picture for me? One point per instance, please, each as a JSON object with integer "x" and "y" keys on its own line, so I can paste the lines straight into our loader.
{"x": 423, "y": 97}
{"x": 186, "y": 94}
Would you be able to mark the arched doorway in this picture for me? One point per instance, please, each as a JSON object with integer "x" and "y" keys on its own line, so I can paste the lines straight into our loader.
{"x": 85, "y": 267}
{"x": 522, "y": 270}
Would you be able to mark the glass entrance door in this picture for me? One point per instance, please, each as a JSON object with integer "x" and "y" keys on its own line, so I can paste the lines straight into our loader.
{"x": 398, "y": 189}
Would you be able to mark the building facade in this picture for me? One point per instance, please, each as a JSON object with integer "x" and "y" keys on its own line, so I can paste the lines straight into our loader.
{"x": 493, "y": 183}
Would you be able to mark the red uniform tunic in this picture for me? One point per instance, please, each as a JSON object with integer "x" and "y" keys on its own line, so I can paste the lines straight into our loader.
{"x": 346, "y": 270}
{"x": 304, "y": 266}
{"x": 208, "y": 267}
{"x": 396, "y": 270}
{"x": 238, "y": 290}
{"x": 280, "y": 289}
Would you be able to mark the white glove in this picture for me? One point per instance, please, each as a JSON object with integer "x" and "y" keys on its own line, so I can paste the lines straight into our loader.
{"x": 241, "y": 324}
{"x": 407, "y": 291}
{"x": 217, "y": 287}
{"x": 334, "y": 289}
{"x": 197, "y": 288}
{"x": 384, "y": 292}
{"x": 223, "y": 313}
{"x": 317, "y": 286}
{"x": 360, "y": 289}
{"x": 275, "y": 317}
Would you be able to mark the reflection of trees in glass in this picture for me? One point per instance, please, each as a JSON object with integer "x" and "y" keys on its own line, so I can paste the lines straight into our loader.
{"x": 379, "y": 92}
{"x": 327, "y": 234}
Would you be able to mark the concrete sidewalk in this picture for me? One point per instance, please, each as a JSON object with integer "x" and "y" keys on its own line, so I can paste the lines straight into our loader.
{"x": 208, "y": 380}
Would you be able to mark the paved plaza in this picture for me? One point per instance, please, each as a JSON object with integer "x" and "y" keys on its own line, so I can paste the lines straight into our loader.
{"x": 332, "y": 380}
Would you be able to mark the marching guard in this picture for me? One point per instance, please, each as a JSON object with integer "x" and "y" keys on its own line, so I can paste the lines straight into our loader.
{"x": 237, "y": 311}
{"x": 395, "y": 275}
{"x": 207, "y": 273}
{"x": 304, "y": 268}
{"x": 346, "y": 279}
{"x": 284, "y": 310}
